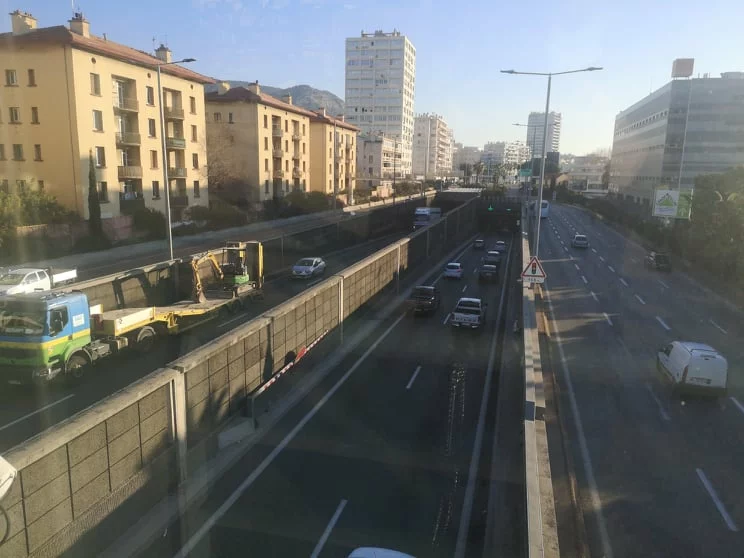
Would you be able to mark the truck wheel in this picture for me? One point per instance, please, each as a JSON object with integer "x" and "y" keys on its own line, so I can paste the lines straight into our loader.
{"x": 145, "y": 339}
{"x": 76, "y": 367}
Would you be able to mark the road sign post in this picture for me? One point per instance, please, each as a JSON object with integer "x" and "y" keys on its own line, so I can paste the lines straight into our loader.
{"x": 534, "y": 272}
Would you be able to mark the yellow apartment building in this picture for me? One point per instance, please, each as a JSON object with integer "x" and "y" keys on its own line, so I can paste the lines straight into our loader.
{"x": 258, "y": 144}
{"x": 69, "y": 93}
{"x": 331, "y": 159}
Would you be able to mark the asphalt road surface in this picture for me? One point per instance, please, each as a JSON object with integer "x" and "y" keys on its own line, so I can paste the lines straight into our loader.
{"x": 25, "y": 412}
{"x": 384, "y": 459}
{"x": 660, "y": 475}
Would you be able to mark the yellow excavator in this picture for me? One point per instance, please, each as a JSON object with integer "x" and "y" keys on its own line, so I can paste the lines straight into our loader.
{"x": 239, "y": 273}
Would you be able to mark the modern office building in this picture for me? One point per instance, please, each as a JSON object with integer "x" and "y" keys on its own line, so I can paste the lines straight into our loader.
{"x": 535, "y": 129}
{"x": 684, "y": 129}
{"x": 70, "y": 95}
{"x": 332, "y": 161}
{"x": 259, "y": 145}
{"x": 377, "y": 158}
{"x": 380, "y": 86}
{"x": 432, "y": 146}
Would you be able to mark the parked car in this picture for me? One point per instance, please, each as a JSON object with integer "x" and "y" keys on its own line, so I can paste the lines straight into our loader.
{"x": 693, "y": 367}
{"x": 580, "y": 241}
{"x": 308, "y": 267}
{"x": 453, "y": 271}
{"x": 479, "y": 244}
{"x": 488, "y": 273}
{"x": 424, "y": 299}
{"x": 658, "y": 261}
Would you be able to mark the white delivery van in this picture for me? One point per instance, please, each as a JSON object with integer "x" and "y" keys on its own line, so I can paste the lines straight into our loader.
{"x": 693, "y": 367}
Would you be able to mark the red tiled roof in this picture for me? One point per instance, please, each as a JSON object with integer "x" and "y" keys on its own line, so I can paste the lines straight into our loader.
{"x": 236, "y": 94}
{"x": 318, "y": 116}
{"x": 60, "y": 34}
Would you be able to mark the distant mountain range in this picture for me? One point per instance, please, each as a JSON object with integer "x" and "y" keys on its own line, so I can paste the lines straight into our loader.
{"x": 302, "y": 95}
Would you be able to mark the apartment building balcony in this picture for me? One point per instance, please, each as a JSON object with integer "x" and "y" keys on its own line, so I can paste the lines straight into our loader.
{"x": 173, "y": 113}
{"x": 130, "y": 171}
{"x": 175, "y": 143}
{"x": 296, "y": 137}
{"x": 126, "y": 104}
{"x": 276, "y": 131}
{"x": 297, "y": 173}
{"x": 176, "y": 172}
{"x": 179, "y": 200}
{"x": 278, "y": 153}
{"x": 128, "y": 138}
{"x": 278, "y": 173}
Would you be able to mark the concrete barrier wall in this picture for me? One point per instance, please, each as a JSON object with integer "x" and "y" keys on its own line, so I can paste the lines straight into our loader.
{"x": 76, "y": 476}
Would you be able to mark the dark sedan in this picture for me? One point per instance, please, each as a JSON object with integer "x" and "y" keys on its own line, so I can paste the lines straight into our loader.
{"x": 488, "y": 273}
{"x": 424, "y": 299}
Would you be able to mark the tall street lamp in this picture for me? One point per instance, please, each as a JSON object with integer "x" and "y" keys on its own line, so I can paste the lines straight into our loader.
{"x": 164, "y": 154}
{"x": 538, "y": 207}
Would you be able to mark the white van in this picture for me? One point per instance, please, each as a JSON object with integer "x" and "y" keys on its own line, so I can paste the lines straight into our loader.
{"x": 693, "y": 367}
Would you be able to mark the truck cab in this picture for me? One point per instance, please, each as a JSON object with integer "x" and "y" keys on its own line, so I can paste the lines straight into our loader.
{"x": 40, "y": 333}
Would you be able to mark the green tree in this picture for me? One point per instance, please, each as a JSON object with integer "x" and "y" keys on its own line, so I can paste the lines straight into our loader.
{"x": 94, "y": 205}
{"x": 478, "y": 169}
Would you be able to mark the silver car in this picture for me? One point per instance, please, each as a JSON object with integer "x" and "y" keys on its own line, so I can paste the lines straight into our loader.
{"x": 308, "y": 267}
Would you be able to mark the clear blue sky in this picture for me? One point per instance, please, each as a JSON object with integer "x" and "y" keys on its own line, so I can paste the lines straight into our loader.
{"x": 461, "y": 46}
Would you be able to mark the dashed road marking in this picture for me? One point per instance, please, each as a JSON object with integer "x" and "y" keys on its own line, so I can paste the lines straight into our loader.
{"x": 719, "y": 328}
{"x": 584, "y": 280}
{"x": 594, "y": 296}
{"x": 606, "y": 317}
{"x": 612, "y": 269}
{"x": 640, "y": 299}
{"x": 623, "y": 281}
{"x": 663, "y": 323}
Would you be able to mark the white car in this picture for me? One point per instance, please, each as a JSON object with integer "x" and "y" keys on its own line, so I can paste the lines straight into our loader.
{"x": 371, "y": 552}
{"x": 580, "y": 241}
{"x": 453, "y": 271}
{"x": 29, "y": 280}
{"x": 693, "y": 367}
{"x": 308, "y": 267}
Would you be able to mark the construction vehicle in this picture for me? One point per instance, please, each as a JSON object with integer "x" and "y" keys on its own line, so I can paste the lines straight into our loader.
{"x": 46, "y": 335}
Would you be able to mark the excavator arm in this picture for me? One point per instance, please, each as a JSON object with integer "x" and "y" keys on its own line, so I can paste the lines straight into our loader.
{"x": 197, "y": 294}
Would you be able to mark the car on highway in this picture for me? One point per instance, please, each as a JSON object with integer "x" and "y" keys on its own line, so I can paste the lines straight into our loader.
{"x": 488, "y": 273}
{"x": 453, "y": 270}
{"x": 424, "y": 299}
{"x": 479, "y": 244}
{"x": 492, "y": 257}
{"x": 500, "y": 245}
{"x": 580, "y": 241}
{"x": 372, "y": 552}
{"x": 469, "y": 312}
{"x": 658, "y": 261}
{"x": 308, "y": 267}
{"x": 693, "y": 367}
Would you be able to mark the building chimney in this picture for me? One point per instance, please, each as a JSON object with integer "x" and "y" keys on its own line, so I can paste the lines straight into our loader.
{"x": 254, "y": 88}
{"x": 323, "y": 111}
{"x": 164, "y": 54}
{"x": 287, "y": 99}
{"x": 80, "y": 25}
{"x": 223, "y": 87}
{"x": 22, "y": 22}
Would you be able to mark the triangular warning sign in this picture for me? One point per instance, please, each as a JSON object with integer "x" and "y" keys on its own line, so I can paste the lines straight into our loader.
{"x": 534, "y": 272}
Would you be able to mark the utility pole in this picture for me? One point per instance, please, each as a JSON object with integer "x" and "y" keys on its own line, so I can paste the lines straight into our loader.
{"x": 335, "y": 163}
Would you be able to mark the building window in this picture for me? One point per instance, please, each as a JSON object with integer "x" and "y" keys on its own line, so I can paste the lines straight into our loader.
{"x": 41, "y": 185}
{"x": 286, "y": 166}
{"x": 95, "y": 84}
{"x": 31, "y": 78}
{"x": 155, "y": 190}
{"x": 17, "y": 152}
{"x": 37, "y": 152}
{"x": 330, "y": 136}
{"x": 197, "y": 192}
{"x": 98, "y": 121}
{"x": 217, "y": 117}
{"x": 286, "y": 125}
{"x": 303, "y": 148}
{"x": 192, "y": 105}
{"x": 230, "y": 117}
{"x": 103, "y": 196}
{"x": 11, "y": 78}
{"x": 266, "y": 124}
{"x": 15, "y": 115}
{"x": 266, "y": 187}
{"x": 303, "y": 166}
{"x": 150, "y": 95}
{"x": 266, "y": 164}
{"x": 194, "y": 134}
{"x": 303, "y": 129}
{"x": 100, "y": 157}
{"x": 2, "y": 152}
{"x": 151, "y": 127}
{"x": 195, "y": 160}
{"x": 266, "y": 144}
{"x": 330, "y": 152}
{"x": 34, "y": 115}
{"x": 21, "y": 186}
{"x": 153, "y": 159}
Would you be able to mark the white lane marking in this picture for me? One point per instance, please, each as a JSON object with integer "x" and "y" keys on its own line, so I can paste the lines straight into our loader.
{"x": 594, "y": 296}
{"x": 623, "y": 281}
{"x": 716, "y": 500}
{"x": 663, "y": 323}
{"x": 37, "y": 411}
{"x": 566, "y": 249}
{"x": 714, "y": 324}
{"x": 231, "y": 320}
{"x": 475, "y": 270}
{"x": 612, "y": 269}
{"x": 596, "y": 502}
{"x": 327, "y": 533}
{"x": 577, "y": 267}
{"x": 662, "y": 411}
{"x": 640, "y": 299}
{"x": 584, "y": 280}
{"x": 413, "y": 377}
{"x": 562, "y": 242}
{"x": 601, "y": 259}
{"x": 609, "y": 321}
{"x": 446, "y": 318}
{"x": 251, "y": 478}
{"x": 465, "y": 287}
{"x": 594, "y": 250}
{"x": 737, "y": 403}
{"x": 662, "y": 283}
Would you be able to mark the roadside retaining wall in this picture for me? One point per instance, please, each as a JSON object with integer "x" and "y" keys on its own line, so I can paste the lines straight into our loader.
{"x": 79, "y": 479}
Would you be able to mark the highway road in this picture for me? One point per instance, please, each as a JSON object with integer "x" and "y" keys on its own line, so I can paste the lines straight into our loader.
{"x": 379, "y": 453}
{"x": 660, "y": 475}
{"x": 25, "y": 412}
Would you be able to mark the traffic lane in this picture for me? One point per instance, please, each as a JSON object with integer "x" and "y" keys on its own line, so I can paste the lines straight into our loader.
{"x": 25, "y": 412}
{"x": 386, "y": 443}
{"x": 635, "y": 454}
